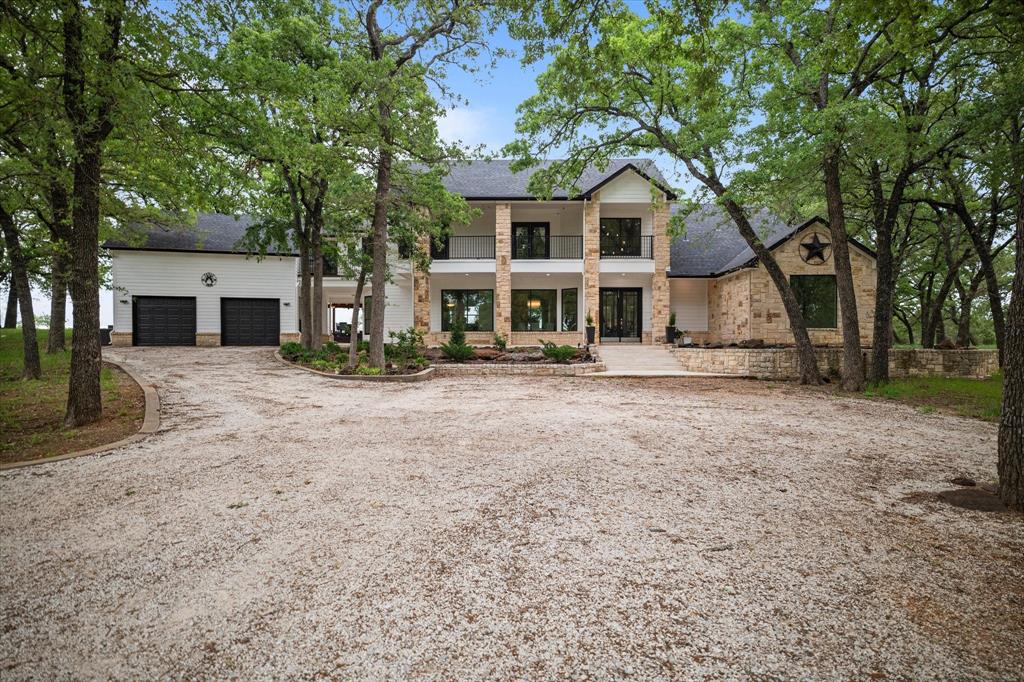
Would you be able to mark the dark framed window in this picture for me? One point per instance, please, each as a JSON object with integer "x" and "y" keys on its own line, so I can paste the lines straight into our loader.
{"x": 531, "y": 240}
{"x": 474, "y": 307}
{"x": 534, "y": 310}
{"x": 818, "y": 300}
{"x": 620, "y": 237}
{"x": 570, "y": 310}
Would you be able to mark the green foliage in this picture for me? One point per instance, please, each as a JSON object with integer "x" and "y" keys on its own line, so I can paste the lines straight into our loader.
{"x": 406, "y": 346}
{"x": 456, "y": 348}
{"x": 977, "y": 398}
{"x": 500, "y": 342}
{"x": 590, "y": 319}
{"x": 369, "y": 371}
{"x": 672, "y": 319}
{"x": 561, "y": 354}
{"x": 292, "y": 350}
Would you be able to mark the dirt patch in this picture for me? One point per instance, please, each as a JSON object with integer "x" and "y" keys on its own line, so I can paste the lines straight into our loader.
{"x": 38, "y": 431}
{"x": 976, "y": 499}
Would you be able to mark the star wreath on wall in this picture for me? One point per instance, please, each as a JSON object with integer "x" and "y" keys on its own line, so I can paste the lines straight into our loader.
{"x": 814, "y": 251}
{"x": 209, "y": 279}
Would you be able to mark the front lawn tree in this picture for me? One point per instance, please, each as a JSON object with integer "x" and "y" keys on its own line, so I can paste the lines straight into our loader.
{"x": 668, "y": 83}
{"x": 406, "y": 46}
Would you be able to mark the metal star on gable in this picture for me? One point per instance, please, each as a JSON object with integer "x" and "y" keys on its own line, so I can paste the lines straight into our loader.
{"x": 816, "y": 250}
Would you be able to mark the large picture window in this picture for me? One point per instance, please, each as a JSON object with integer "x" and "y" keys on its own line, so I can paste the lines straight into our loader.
{"x": 474, "y": 307}
{"x": 817, "y": 297}
{"x": 570, "y": 310}
{"x": 534, "y": 310}
{"x": 620, "y": 237}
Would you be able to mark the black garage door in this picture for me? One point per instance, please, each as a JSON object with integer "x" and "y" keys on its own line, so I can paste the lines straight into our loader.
{"x": 163, "y": 321}
{"x": 250, "y": 321}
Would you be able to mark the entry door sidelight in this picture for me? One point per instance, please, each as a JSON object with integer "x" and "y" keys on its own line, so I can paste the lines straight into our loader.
{"x": 621, "y": 314}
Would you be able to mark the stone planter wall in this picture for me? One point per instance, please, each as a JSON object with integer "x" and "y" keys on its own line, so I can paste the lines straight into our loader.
{"x": 517, "y": 368}
{"x": 781, "y": 363}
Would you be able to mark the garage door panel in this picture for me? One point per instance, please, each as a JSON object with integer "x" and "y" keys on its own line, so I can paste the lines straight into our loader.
{"x": 250, "y": 321}
{"x": 163, "y": 321}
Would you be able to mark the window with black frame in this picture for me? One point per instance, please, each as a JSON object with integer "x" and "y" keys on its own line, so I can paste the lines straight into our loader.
{"x": 818, "y": 300}
{"x": 474, "y": 307}
{"x": 570, "y": 310}
{"x": 534, "y": 310}
{"x": 531, "y": 240}
{"x": 620, "y": 237}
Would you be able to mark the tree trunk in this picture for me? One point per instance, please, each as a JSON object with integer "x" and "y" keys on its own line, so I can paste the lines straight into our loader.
{"x": 353, "y": 343}
{"x": 853, "y": 361}
{"x": 19, "y": 274}
{"x": 885, "y": 290}
{"x": 314, "y": 226}
{"x": 59, "y": 265}
{"x": 806, "y": 358}
{"x": 380, "y": 251}
{"x": 963, "y": 332}
{"x": 305, "y": 319}
{"x": 11, "y": 316}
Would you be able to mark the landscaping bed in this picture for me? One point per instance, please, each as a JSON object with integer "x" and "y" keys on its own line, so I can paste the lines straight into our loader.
{"x": 32, "y": 412}
{"x": 490, "y": 355}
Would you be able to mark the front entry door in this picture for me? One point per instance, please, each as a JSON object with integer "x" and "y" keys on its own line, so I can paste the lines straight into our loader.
{"x": 621, "y": 315}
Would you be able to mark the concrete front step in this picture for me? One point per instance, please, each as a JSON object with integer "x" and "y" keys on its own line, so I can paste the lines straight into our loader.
{"x": 638, "y": 358}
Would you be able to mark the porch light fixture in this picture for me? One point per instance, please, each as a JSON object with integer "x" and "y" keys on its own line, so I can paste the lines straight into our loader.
{"x": 450, "y": 304}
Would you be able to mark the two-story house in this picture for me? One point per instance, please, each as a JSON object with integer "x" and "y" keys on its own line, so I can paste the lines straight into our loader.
{"x": 525, "y": 268}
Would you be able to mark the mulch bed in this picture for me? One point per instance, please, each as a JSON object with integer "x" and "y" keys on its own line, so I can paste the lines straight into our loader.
{"x": 495, "y": 356}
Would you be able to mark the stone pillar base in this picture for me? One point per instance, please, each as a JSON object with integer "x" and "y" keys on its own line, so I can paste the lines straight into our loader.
{"x": 206, "y": 339}
{"x": 120, "y": 338}
{"x": 287, "y": 337}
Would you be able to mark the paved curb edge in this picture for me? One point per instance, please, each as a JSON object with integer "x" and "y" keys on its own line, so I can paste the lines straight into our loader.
{"x": 381, "y": 378}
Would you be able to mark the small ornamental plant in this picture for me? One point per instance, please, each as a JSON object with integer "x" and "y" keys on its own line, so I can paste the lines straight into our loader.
{"x": 457, "y": 349}
{"x": 560, "y": 354}
{"x": 672, "y": 319}
{"x": 590, "y": 319}
{"x": 500, "y": 342}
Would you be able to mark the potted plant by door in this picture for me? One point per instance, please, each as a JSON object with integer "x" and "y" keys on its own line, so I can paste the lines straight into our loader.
{"x": 591, "y": 329}
{"x": 670, "y": 330}
{"x": 687, "y": 339}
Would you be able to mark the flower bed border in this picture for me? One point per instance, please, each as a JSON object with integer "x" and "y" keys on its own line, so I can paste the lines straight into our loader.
{"x": 518, "y": 368}
{"x": 397, "y": 378}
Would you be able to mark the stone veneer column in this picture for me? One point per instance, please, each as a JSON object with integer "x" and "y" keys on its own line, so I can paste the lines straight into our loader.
{"x": 421, "y": 292}
{"x": 660, "y": 303}
{"x": 503, "y": 269}
{"x": 592, "y": 263}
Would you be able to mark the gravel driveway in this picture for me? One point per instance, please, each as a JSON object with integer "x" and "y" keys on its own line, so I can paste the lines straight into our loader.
{"x": 286, "y": 525}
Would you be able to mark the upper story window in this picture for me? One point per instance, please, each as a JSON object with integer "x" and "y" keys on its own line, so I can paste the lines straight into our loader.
{"x": 816, "y": 295}
{"x": 620, "y": 237}
{"x": 531, "y": 240}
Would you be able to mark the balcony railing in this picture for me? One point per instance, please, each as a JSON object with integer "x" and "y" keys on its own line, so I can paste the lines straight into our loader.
{"x": 641, "y": 248}
{"x": 469, "y": 248}
{"x": 545, "y": 248}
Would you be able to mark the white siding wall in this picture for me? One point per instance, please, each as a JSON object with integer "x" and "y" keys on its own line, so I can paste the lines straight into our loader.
{"x": 627, "y": 188}
{"x": 689, "y": 301}
{"x": 152, "y": 273}
{"x": 397, "y": 305}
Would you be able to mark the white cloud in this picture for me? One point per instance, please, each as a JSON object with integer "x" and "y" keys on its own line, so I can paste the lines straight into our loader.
{"x": 471, "y": 127}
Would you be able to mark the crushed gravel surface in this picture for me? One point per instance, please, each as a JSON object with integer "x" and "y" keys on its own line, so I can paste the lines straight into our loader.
{"x": 286, "y": 525}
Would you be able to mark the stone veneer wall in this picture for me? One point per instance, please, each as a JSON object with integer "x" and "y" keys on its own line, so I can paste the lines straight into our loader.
{"x": 503, "y": 269}
{"x": 592, "y": 263}
{"x": 781, "y": 363}
{"x": 729, "y": 308}
{"x": 421, "y": 292}
{"x": 539, "y": 369}
{"x": 660, "y": 303}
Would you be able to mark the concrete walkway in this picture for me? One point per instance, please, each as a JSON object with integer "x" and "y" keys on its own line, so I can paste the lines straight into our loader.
{"x": 640, "y": 360}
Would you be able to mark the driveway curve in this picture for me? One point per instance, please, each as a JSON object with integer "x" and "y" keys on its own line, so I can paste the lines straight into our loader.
{"x": 285, "y": 525}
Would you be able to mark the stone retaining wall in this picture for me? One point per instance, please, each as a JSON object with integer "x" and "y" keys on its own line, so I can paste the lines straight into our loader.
{"x": 781, "y": 363}
{"x": 517, "y": 368}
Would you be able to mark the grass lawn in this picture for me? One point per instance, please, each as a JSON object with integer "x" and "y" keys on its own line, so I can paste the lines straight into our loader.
{"x": 977, "y": 398}
{"x": 32, "y": 412}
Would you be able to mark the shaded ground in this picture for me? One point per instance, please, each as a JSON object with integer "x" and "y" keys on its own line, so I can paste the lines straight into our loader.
{"x": 978, "y": 398}
{"x": 32, "y": 412}
{"x": 287, "y": 525}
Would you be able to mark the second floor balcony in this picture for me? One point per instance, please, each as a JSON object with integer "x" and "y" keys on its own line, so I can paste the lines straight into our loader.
{"x": 470, "y": 247}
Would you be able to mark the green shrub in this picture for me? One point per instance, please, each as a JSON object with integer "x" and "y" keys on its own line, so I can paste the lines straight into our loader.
{"x": 366, "y": 370}
{"x": 405, "y": 345}
{"x": 291, "y": 350}
{"x": 322, "y": 365}
{"x": 500, "y": 342}
{"x": 364, "y": 347}
{"x": 457, "y": 349}
{"x": 553, "y": 351}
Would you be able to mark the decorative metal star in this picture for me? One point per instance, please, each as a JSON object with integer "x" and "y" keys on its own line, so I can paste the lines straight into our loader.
{"x": 816, "y": 249}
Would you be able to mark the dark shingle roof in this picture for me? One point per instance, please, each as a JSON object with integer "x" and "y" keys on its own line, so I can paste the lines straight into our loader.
{"x": 712, "y": 245}
{"x": 493, "y": 179}
{"x": 212, "y": 233}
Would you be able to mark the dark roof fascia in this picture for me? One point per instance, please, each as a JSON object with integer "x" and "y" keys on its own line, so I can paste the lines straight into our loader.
{"x": 753, "y": 261}
{"x": 221, "y": 253}
{"x": 669, "y": 194}
{"x": 524, "y": 198}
